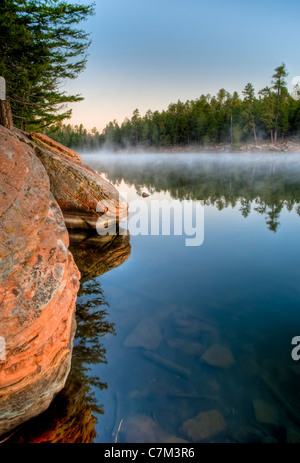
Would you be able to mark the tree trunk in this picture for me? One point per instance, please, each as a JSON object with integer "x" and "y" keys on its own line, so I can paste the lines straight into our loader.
{"x": 254, "y": 131}
{"x": 6, "y": 114}
{"x": 255, "y": 137}
{"x": 275, "y": 137}
{"x": 272, "y": 137}
{"x": 23, "y": 125}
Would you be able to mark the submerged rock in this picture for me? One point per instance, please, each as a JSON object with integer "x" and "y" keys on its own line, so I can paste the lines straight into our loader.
{"x": 194, "y": 327}
{"x": 146, "y": 334}
{"x": 265, "y": 413}
{"x": 204, "y": 426}
{"x": 189, "y": 348}
{"x": 38, "y": 287}
{"x": 168, "y": 364}
{"x": 143, "y": 429}
{"x": 218, "y": 356}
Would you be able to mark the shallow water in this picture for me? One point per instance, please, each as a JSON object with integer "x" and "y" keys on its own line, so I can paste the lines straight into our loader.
{"x": 178, "y": 343}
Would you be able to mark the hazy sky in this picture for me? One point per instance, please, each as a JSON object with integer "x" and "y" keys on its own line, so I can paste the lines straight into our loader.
{"x": 148, "y": 53}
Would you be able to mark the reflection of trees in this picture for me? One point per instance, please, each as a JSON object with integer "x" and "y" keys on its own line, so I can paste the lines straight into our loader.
{"x": 245, "y": 208}
{"x": 273, "y": 216}
{"x": 265, "y": 186}
{"x": 272, "y": 212}
{"x": 92, "y": 324}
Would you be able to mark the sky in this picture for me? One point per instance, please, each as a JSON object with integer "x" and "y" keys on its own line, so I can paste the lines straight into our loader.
{"x": 147, "y": 54}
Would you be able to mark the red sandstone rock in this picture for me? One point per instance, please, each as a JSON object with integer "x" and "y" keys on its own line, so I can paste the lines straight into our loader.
{"x": 83, "y": 195}
{"x": 38, "y": 286}
{"x": 56, "y": 147}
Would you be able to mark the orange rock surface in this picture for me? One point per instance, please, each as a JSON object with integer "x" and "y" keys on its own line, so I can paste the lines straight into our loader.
{"x": 38, "y": 286}
{"x": 47, "y": 142}
{"x": 84, "y": 197}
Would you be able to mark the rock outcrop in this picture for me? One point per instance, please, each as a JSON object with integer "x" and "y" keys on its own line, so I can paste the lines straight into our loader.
{"x": 44, "y": 187}
{"x": 95, "y": 255}
{"x": 85, "y": 198}
{"x": 55, "y": 147}
{"x": 38, "y": 286}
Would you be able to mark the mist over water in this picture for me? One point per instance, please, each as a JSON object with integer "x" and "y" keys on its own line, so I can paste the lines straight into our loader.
{"x": 188, "y": 157}
{"x": 192, "y": 163}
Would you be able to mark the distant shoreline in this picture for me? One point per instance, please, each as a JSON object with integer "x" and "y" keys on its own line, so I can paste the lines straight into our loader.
{"x": 260, "y": 147}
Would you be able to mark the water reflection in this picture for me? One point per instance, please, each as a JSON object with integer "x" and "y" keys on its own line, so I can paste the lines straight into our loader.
{"x": 263, "y": 183}
{"x": 92, "y": 325}
{"x": 95, "y": 255}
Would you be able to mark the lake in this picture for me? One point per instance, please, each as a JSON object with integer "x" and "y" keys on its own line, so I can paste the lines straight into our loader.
{"x": 181, "y": 343}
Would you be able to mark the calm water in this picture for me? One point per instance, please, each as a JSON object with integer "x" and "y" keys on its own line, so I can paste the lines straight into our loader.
{"x": 193, "y": 344}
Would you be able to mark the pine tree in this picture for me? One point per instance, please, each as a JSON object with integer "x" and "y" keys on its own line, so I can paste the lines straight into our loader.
{"x": 249, "y": 102}
{"x": 136, "y": 126}
{"x": 40, "y": 48}
{"x": 268, "y": 110}
{"x": 281, "y": 93}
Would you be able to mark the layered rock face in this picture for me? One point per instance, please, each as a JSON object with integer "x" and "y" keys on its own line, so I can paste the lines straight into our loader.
{"x": 38, "y": 286}
{"x": 85, "y": 198}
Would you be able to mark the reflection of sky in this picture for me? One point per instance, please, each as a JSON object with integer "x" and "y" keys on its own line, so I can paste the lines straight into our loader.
{"x": 150, "y": 53}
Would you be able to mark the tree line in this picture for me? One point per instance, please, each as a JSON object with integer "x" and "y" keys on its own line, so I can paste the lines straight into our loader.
{"x": 271, "y": 114}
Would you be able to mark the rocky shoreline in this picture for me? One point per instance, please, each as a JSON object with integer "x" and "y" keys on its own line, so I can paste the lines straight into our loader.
{"x": 42, "y": 184}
